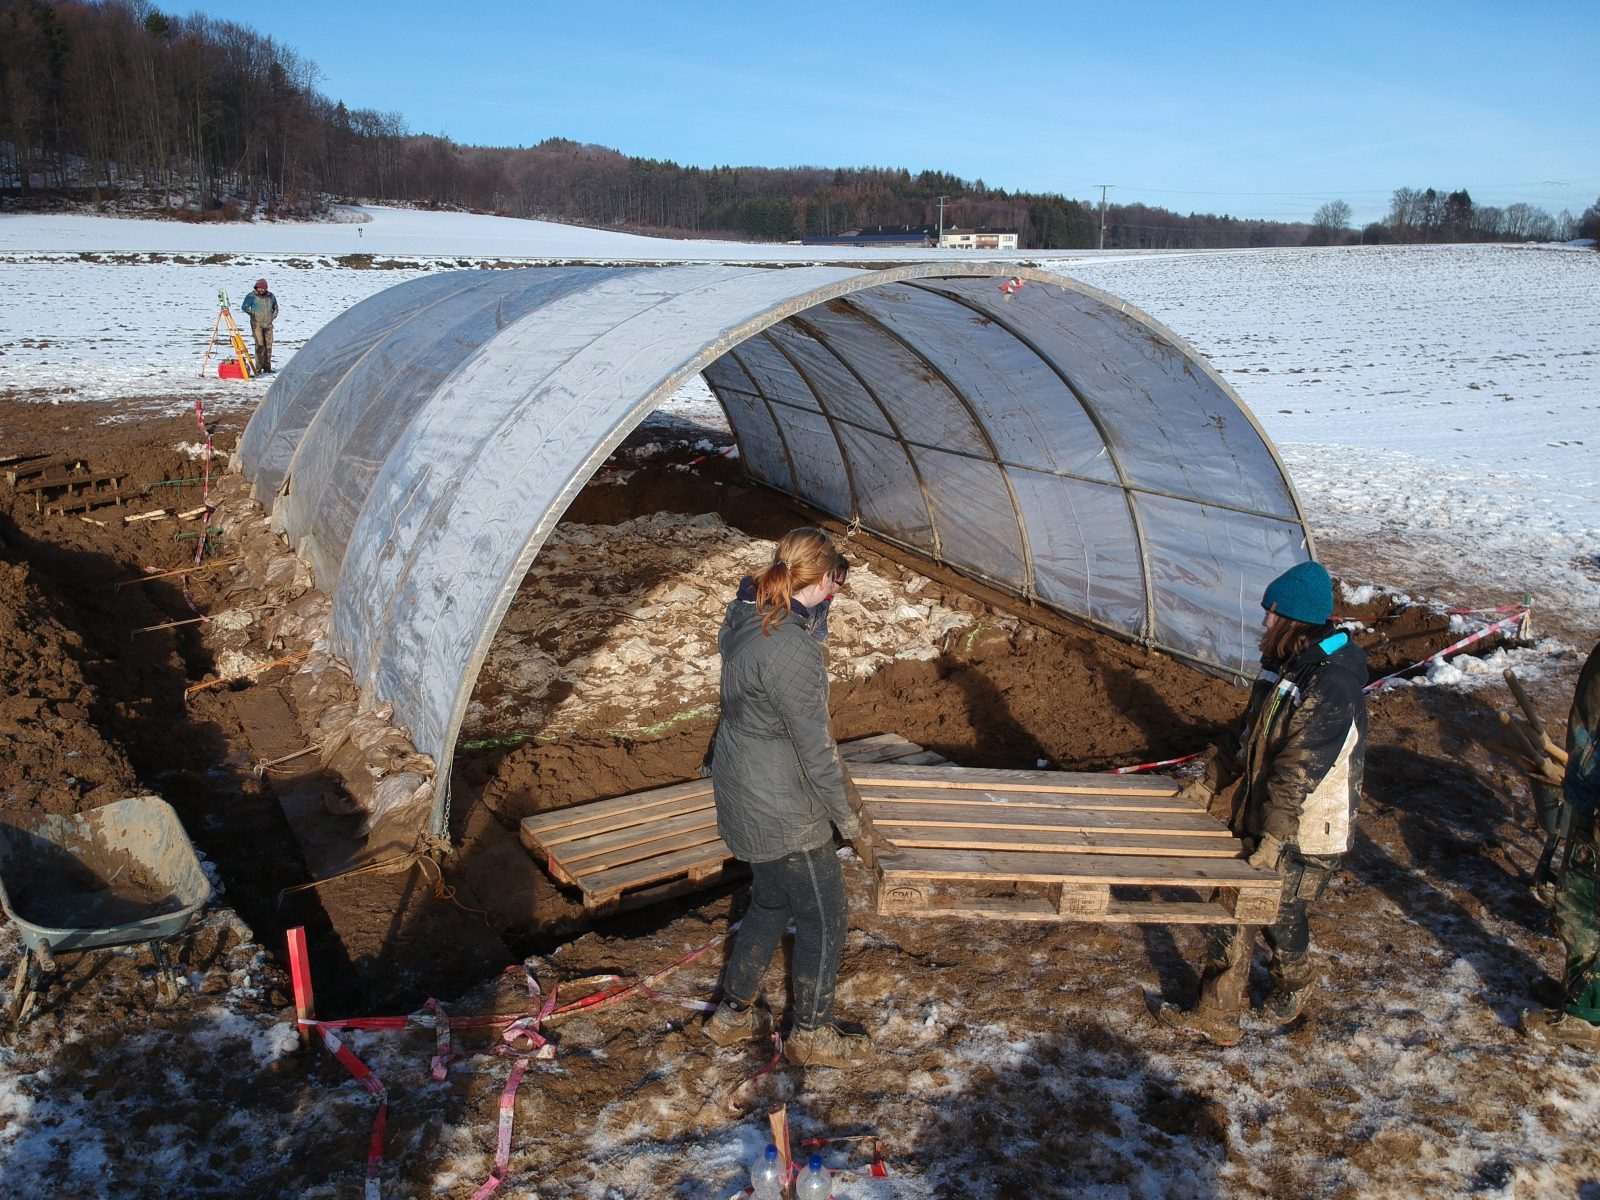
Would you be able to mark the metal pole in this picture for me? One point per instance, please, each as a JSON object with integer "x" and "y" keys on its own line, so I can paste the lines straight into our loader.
{"x": 942, "y": 199}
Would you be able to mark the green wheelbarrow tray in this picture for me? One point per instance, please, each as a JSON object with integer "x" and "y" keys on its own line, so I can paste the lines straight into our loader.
{"x": 112, "y": 876}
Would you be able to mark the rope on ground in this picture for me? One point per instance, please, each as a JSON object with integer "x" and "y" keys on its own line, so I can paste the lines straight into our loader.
{"x": 422, "y": 858}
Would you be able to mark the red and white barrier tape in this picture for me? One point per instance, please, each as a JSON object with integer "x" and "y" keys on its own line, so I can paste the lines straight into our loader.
{"x": 367, "y": 1079}
{"x": 522, "y": 1036}
{"x": 1151, "y": 766}
{"x": 723, "y": 453}
{"x": 1506, "y": 625}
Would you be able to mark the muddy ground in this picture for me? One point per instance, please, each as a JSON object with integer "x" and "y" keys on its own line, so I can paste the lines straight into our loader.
{"x": 1381, "y": 1091}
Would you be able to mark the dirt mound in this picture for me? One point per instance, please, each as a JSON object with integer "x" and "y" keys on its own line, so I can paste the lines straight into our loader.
{"x": 56, "y": 759}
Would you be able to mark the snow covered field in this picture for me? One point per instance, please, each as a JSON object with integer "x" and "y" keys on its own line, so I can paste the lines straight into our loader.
{"x": 1438, "y": 406}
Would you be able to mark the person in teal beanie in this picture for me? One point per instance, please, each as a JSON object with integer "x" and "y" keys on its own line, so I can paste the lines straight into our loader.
{"x": 1288, "y": 774}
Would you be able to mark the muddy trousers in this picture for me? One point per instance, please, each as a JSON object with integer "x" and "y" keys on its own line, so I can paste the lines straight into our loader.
{"x": 263, "y": 337}
{"x": 1577, "y": 927}
{"x": 809, "y": 888}
{"x": 1230, "y": 948}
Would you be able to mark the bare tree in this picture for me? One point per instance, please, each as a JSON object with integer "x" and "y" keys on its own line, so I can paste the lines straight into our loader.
{"x": 1330, "y": 223}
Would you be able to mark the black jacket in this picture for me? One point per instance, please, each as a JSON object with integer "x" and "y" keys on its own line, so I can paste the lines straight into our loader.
{"x": 1299, "y": 749}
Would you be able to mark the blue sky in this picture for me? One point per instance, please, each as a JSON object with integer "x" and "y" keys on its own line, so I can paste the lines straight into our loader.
{"x": 1256, "y": 110}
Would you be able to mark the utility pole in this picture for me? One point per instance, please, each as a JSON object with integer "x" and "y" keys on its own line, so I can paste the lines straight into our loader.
{"x": 942, "y": 199}
{"x": 1103, "y": 187}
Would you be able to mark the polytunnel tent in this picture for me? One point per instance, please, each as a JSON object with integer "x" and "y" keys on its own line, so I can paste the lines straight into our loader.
{"x": 1018, "y": 427}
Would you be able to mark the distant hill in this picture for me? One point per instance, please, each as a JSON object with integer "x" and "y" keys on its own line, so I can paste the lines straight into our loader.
{"x": 121, "y": 104}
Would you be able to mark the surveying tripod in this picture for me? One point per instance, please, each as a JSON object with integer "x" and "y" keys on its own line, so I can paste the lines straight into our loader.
{"x": 247, "y": 365}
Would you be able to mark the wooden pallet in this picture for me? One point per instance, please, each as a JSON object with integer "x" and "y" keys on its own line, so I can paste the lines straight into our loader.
{"x": 17, "y": 467}
{"x": 1056, "y": 846}
{"x": 634, "y": 850}
{"x": 961, "y": 842}
{"x": 64, "y": 486}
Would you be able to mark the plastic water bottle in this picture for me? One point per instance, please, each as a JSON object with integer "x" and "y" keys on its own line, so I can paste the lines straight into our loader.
{"x": 766, "y": 1176}
{"x": 814, "y": 1183}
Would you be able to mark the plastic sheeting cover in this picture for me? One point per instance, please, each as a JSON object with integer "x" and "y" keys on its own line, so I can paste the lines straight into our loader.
{"x": 1048, "y": 439}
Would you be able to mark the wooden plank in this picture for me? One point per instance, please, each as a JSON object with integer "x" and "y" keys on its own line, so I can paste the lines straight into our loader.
{"x": 1196, "y": 824}
{"x": 633, "y": 819}
{"x": 36, "y": 464}
{"x": 999, "y": 780}
{"x": 1037, "y": 908}
{"x": 623, "y": 901}
{"x": 634, "y": 875}
{"x": 579, "y": 849}
{"x": 1218, "y": 845}
{"x": 877, "y": 748}
{"x": 635, "y": 802}
{"x": 668, "y": 844}
{"x": 638, "y": 803}
{"x": 932, "y": 797}
{"x": 84, "y": 504}
{"x": 711, "y": 848}
{"x": 1040, "y": 867}
{"x": 67, "y": 481}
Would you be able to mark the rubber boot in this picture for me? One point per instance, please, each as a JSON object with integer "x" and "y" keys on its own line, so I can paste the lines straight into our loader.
{"x": 827, "y": 1046}
{"x": 1560, "y": 1027}
{"x": 1218, "y": 1026}
{"x": 728, "y": 1025}
{"x": 1283, "y": 1005}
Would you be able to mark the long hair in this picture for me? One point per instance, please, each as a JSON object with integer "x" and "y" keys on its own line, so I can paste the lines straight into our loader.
{"x": 1286, "y": 640}
{"x": 802, "y": 557}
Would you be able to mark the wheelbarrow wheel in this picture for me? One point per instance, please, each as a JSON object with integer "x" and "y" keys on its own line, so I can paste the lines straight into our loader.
{"x": 166, "y": 981}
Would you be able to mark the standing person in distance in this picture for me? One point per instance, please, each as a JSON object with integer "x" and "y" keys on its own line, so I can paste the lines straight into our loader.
{"x": 1291, "y": 766}
{"x": 262, "y": 308}
{"x": 1577, "y": 1021}
{"x": 780, "y": 791}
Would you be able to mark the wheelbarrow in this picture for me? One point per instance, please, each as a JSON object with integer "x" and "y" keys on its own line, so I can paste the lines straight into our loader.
{"x": 112, "y": 876}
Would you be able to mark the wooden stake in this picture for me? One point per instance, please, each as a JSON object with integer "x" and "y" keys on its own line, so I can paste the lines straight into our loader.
{"x": 153, "y": 515}
{"x": 300, "y": 977}
{"x": 250, "y": 674}
{"x": 188, "y": 570}
{"x": 1528, "y": 710}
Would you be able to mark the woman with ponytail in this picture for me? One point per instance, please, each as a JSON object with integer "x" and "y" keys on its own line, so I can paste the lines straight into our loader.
{"x": 780, "y": 793}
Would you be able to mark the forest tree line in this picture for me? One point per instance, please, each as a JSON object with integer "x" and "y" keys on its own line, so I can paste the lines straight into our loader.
{"x": 116, "y": 101}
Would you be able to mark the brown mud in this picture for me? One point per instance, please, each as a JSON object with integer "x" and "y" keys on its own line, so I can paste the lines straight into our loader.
{"x": 95, "y": 708}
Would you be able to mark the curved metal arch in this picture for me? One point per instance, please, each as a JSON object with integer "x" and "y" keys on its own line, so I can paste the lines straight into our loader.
{"x": 439, "y": 482}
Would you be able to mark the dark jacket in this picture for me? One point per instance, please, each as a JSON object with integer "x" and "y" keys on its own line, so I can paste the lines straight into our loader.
{"x": 1299, "y": 749}
{"x": 775, "y": 769}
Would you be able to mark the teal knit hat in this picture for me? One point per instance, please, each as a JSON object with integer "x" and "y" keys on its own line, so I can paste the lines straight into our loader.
{"x": 1302, "y": 593}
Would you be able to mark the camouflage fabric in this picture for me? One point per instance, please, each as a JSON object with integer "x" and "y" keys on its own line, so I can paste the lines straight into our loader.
{"x": 1575, "y": 919}
{"x": 1577, "y": 928}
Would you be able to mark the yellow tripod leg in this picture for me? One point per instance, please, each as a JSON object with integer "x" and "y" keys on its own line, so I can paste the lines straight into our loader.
{"x": 246, "y": 363}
